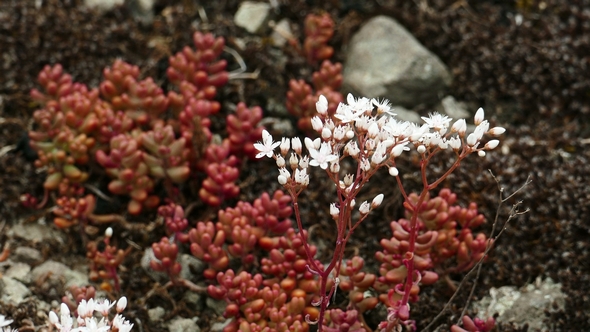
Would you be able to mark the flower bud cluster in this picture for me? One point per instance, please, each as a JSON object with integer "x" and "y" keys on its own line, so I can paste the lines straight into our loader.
{"x": 86, "y": 319}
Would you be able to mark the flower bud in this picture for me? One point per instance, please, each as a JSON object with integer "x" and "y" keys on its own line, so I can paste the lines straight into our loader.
{"x": 421, "y": 149}
{"x": 326, "y": 133}
{"x": 497, "y": 131}
{"x": 364, "y": 208}
{"x": 296, "y": 144}
{"x": 316, "y": 124}
{"x": 284, "y": 146}
{"x": 335, "y": 167}
{"x": 377, "y": 201}
{"x": 393, "y": 171}
{"x": 459, "y": 127}
{"x": 478, "y": 118}
{"x": 491, "y": 144}
{"x": 471, "y": 139}
{"x": 322, "y": 105}
{"x": 121, "y": 304}
{"x": 334, "y": 211}
{"x": 280, "y": 161}
{"x": 293, "y": 160}
{"x": 481, "y": 153}
{"x": 109, "y": 232}
{"x": 282, "y": 180}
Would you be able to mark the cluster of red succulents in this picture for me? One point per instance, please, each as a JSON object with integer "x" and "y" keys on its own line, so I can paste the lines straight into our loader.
{"x": 284, "y": 294}
{"x": 141, "y": 136}
{"x": 444, "y": 232}
{"x": 302, "y": 97}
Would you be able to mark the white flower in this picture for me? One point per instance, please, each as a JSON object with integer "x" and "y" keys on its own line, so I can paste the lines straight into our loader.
{"x": 437, "y": 121}
{"x": 92, "y": 326}
{"x": 383, "y": 106}
{"x": 103, "y": 307}
{"x": 267, "y": 146}
{"x": 65, "y": 322}
{"x": 365, "y": 207}
{"x": 361, "y": 104}
{"x": 86, "y": 308}
{"x": 352, "y": 149}
{"x": 322, "y": 156}
{"x": 122, "y": 324}
{"x": 322, "y": 105}
{"x": 6, "y": 322}
{"x": 301, "y": 176}
{"x": 346, "y": 113}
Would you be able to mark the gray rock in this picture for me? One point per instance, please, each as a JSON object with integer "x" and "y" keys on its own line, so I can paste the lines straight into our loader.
{"x": 179, "y": 324}
{"x": 189, "y": 265}
{"x": 218, "y": 306}
{"x": 20, "y": 272}
{"x": 27, "y": 255}
{"x": 142, "y": 10}
{"x": 156, "y": 314}
{"x": 523, "y": 306}
{"x": 385, "y": 60}
{"x": 103, "y": 5}
{"x": 13, "y": 291}
{"x": 282, "y": 31}
{"x": 37, "y": 233}
{"x": 219, "y": 326}
{"x": 59, "y": 275}
{"x": 194, "y": 301}
{"x": 454, "y": 109}
{"x": 148, "y": 256}
{"x": 404, "y": 114}
{"x": 252, "y": 16}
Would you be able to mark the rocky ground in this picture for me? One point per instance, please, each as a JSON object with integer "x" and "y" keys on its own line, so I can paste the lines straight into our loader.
{"x": 523, "y": 61}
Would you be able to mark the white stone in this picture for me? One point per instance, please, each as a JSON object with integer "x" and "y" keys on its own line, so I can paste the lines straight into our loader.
{"x": 252, "y": 16}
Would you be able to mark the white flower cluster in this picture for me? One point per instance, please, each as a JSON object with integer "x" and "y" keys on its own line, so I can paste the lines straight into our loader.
{"x": 367, "y": 131}
{"x": 86, "y": 322}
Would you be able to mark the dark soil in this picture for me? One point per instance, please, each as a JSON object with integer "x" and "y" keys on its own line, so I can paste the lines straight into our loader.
{"x": 519, "y": 73}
